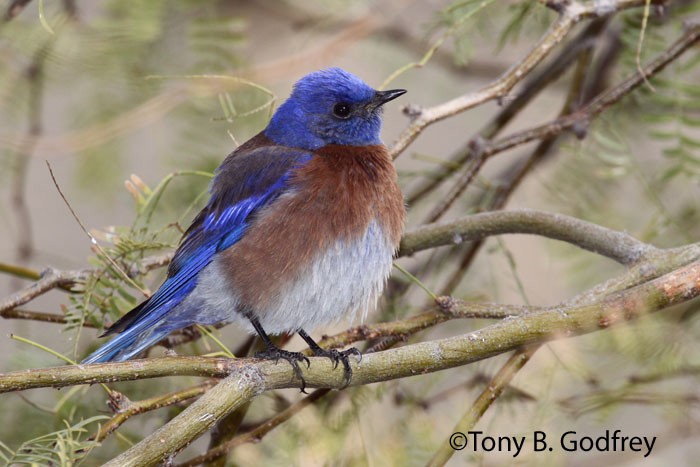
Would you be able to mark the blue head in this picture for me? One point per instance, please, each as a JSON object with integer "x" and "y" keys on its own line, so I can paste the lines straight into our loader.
{"x": 330, "y": 106}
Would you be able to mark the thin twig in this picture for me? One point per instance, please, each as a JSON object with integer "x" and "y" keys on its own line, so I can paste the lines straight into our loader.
{"x": 448, "y": 308}
{"x": 16, "y": 313}
{"x": 487, "y": 397}
{"x": 14, "y": 8}
{"x": 150, "y": 263}
{"x": 50, "y": 279}
{"x": 628, "y": 392}
{"x": 480, "y": 149}
{"x": 530, "y": 89}
{"x": 571, "y": 12}
{"x": 92, "y": 238}
{"x": 20, "y": 271}
{"x": 257, "y": 433}
{"x": 584, "y": 115}
{"x": 514, "y": 177}
{"x": 60, "y": 279}
{"x": 147, "y": 405}
{"x": 471, "y": 169}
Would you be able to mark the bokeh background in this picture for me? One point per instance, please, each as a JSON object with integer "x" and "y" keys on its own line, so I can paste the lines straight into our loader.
{"x": 165, "y": 90}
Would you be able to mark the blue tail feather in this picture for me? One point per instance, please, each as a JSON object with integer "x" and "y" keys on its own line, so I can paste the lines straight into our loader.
{"x": 128, "y": 345}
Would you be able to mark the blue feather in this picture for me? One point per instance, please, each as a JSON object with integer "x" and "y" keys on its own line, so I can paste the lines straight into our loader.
{"x": 245, "y": 183}
{"x": 305, "y": 119}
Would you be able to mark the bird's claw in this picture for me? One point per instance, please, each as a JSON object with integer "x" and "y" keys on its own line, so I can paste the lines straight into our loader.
{"x": 337, "y": 356}
{"x": 292, "y": 357}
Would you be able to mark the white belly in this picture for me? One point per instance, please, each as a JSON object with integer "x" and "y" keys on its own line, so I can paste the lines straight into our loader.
{"x": 346, "y": 281}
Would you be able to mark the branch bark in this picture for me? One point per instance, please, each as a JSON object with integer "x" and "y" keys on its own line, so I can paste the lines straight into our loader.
{"x": 252, "y": 379}
{"x": 667, "y": 278}
{"x": 615, "y": 245}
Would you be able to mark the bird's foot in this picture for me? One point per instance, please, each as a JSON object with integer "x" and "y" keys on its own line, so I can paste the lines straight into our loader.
{"x": 337, "y": 356}
{"x": 292, "y": 357}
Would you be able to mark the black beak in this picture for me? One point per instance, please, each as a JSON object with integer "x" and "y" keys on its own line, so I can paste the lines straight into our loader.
{"x": 382, "y": 97}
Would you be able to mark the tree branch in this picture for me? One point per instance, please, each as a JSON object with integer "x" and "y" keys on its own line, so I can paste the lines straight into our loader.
{"x": 258, "y": 432}
{"x": 223, "y": 398}
{"x": 657, "y": 265}
{"x": 487, "y": 397}
{"x": 19, "y": 271}
{"x": 14, "y": 8}
{"x": 571, "y": 12}
{"x": 585, "y": 114}
{"x": 615, "y": 245}
{"x": 50, "y": 279}
{"x": 497, "y": 199}
{"x": 247, "y": 377}
{"x": 448, "y": 308}
{"x": 146, "y": 405}
{"x": 16, "y": 313}
{"x": 61, "y": 376}
{"x": 530, "y": 89}
{"x": 252, "y": 379}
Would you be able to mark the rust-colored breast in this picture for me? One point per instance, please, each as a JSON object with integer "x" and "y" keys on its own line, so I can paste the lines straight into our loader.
{"x": 335, "y": 196}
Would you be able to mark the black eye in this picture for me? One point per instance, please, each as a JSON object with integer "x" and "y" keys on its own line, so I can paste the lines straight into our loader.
{"x": 341, "y": 110}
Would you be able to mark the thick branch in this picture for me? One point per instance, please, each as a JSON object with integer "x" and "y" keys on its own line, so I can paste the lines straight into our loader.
{"x": 223, "y": 398}
{"x": 258, "y": 432}
{"x": 425, "y": 357}
{"x": 616, "y": 245}
{"x": 58, "y": 377}
{"x": 665, "y": 263}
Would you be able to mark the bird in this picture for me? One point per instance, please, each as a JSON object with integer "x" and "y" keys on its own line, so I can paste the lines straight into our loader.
{"x": 300, "y": 229}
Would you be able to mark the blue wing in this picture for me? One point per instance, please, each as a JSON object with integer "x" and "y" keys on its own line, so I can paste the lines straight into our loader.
{"x": 245, "y": 182}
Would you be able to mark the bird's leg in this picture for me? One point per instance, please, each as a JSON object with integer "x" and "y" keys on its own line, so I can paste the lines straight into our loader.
{"x": 272, "y": 352}
{"x": 334, "y": 354}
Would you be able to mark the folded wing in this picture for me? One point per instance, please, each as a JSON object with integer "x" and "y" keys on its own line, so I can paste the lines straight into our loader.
{"x": 244, "y": 184}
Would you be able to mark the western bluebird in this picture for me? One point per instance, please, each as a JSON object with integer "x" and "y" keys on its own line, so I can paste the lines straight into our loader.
{"x": 300, "y": 229}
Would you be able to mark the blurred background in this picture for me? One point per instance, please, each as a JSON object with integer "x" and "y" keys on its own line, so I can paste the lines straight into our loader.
{"x": 105, "y": 90}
